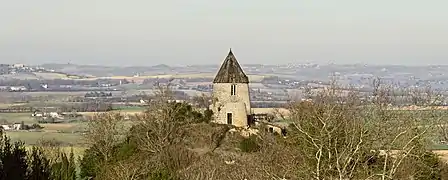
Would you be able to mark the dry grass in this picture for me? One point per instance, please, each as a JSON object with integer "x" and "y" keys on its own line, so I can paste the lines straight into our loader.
{"x": 63, "y": 127}
{"x": 47, "y": 93}
{"x": 131, "y": 112}
{"x": 45, "y": 75}
{"x": 6, "y": 105}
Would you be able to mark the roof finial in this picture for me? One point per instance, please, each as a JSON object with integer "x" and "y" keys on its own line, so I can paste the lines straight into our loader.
{"x": 230, "y": 52}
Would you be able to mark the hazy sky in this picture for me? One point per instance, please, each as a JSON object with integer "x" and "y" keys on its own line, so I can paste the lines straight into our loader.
{"x": 149, "y": 32}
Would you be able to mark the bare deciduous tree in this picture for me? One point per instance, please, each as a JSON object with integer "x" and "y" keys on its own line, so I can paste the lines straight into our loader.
{"x": 332, "y": 135}
{"x": 202, "y": 101}
{"x": 104, "y": 132}
{"x": 133, "y": 168}
{"x": 338, "y": 135}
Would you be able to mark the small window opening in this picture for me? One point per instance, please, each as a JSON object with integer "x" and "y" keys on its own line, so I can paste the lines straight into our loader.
{"x": 233, "y": 89}
{"x": 229, "y": 118}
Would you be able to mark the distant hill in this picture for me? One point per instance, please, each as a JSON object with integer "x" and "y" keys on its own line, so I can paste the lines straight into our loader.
{"x": 359, "y": 74}
{"x": 19, "y": 76}
{"x": 161, "y": 66}
{"x": 108, "y": 71}
{"x": 160, "y": 70}
{"x": 38, "y": 76}
{"x": 95, "y": 70}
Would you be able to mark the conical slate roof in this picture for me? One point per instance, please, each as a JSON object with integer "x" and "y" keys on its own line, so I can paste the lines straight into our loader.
{"x": 231, "y": 71}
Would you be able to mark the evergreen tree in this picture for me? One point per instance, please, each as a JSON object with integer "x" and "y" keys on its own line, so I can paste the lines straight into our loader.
{"x": 13, "y": 159}
{"x": 39, "y": 166}
{"x": 90, "y": 163}
{"x": 65, "y": 167}
{"x": 16, "y": 165}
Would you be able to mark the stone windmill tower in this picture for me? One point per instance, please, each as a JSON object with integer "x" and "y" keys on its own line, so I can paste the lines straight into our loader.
{"x": 231, "y": 99}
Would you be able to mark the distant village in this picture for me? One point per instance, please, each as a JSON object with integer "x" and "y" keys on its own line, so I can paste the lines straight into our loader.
{"x": 21, "y": 84}
{"x": 102, "y": 87}
{"x": 270, "y": 91}
{"x": 20, "y": 68}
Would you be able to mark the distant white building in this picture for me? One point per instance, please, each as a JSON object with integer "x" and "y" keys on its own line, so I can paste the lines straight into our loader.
{"x": 18, "y": 65}
{"x": 38, "y": 114}
{"x": 5, "y": 127}
{"x": 176, "y": 101}
{"x": 17, "y": 88}
{"x": 54, "y": 114}
{"x": 17, "y": 126}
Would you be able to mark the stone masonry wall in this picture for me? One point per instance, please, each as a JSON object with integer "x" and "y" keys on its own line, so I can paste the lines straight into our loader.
{"x": 237, "y": 104}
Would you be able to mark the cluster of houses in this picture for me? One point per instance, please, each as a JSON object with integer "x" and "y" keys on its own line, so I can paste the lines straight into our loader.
{"x": 12, "y": 127}
{"x": 13, "y": 88}
{"x": 19, "y": 126}
{"x": 36, "y": 114}
{"x": 47, "y": 115}
{"x": 16, "y": 68}
{"x": 54, "y": 115}
{"x": 20, "y": 88}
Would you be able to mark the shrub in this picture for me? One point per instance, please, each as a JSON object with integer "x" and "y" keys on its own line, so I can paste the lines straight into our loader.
{"x": 90, "y": 163}
{"x": 36, "y": 126}
{"x": 162, "y": 175}
{"x": 249, "y": 144}
{"x": 208, "y": 115}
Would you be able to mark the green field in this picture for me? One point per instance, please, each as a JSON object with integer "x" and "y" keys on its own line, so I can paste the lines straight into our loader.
{"x": 17, "y": 118}
{"x": 66, "y": 133}
{"x": 32, "y": 138}
{"x": 130, "y": 108}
